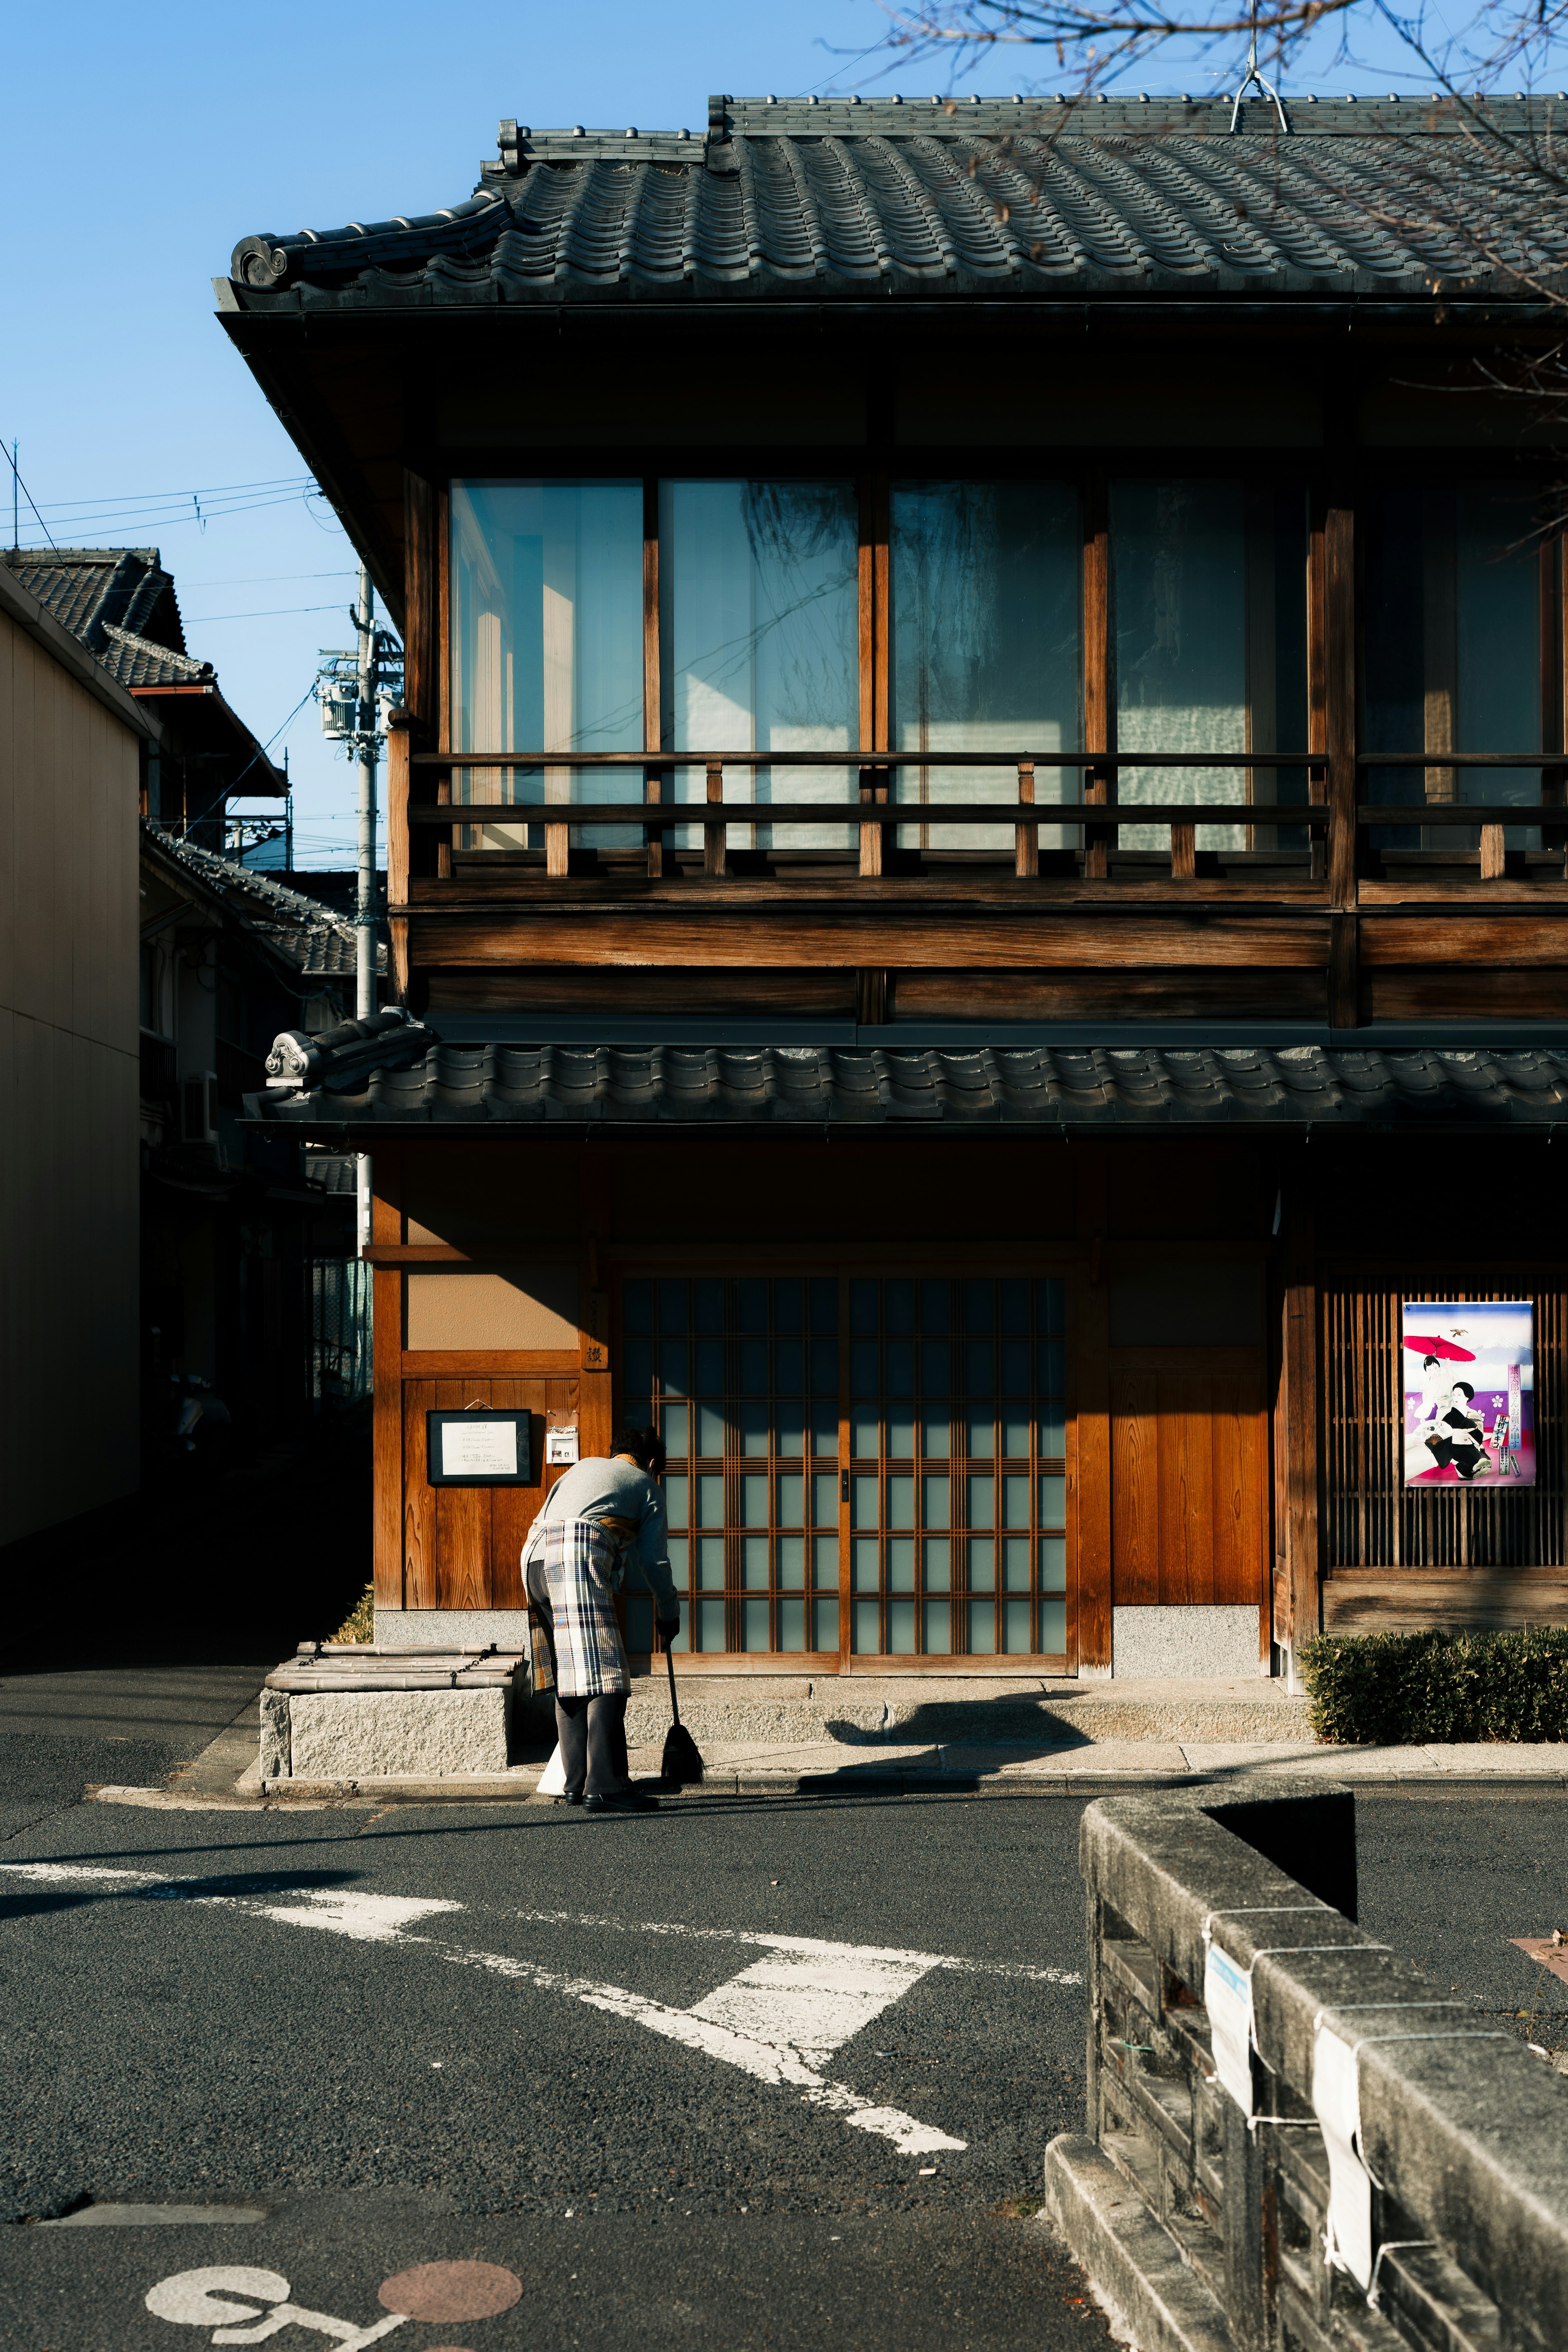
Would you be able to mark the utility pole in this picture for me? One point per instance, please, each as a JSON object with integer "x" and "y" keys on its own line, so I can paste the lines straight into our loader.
{"x": 351, "y": 684}
{"x": 364, "y": 911}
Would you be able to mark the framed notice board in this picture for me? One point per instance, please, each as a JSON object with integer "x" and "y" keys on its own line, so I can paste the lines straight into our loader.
{"x": 487, "y": 1446}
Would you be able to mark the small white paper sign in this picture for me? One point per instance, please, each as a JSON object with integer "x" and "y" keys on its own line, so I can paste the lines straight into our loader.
{"x": 1336, "y": 2102}
{"x": 479, "y": 1449}
{"x": 560, "y": 1445}
{"x": 1227, "y": 1997}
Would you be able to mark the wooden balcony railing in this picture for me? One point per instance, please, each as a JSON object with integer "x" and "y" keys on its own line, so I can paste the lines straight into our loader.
{"x": 1337, "y": 823}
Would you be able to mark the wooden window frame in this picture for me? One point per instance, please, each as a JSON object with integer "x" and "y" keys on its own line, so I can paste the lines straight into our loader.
{"x": 734, "y": 1464}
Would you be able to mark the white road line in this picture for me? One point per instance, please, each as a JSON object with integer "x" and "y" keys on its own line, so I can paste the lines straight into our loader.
{"x": 768, "y": 2060}
{"x": 778, "y": 2020}
{"x": 759, "y": 1935}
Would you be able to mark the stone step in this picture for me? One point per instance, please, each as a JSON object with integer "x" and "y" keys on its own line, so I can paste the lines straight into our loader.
{"x": 875, "y": 1710}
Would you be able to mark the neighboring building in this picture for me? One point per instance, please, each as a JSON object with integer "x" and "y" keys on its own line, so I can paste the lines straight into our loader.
{"x": 73, "y": 748}
{"x": 247, "y": 1243}
{"x": 120, "y": 603}
{"x": 972, "y": 996}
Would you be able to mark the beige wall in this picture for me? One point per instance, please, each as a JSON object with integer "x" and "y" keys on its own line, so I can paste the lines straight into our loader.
{"x": 68, "y": 1092}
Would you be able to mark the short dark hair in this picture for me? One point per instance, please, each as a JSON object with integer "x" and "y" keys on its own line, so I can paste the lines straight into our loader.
{"x": 1425, "y": 1361}
{"x": 1469, "y": 1392}
{"x": 646, "y": 1447}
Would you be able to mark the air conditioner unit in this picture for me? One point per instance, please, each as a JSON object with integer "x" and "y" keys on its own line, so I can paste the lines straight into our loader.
{"x": 198, "y": 1107}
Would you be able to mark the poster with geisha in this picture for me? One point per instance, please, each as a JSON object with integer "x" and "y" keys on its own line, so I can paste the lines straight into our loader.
{"x": 1469, "y": 1392}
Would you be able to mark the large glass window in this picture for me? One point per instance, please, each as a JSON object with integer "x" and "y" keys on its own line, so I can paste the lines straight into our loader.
{"x": 987, "y": 643}
{"x": 547, "y": 646}
{"x": 916, "y": 1510}
{"x": 1210, "y": 642}
{"x": 759, "y": 638}
{"x": 1452, "y": 640}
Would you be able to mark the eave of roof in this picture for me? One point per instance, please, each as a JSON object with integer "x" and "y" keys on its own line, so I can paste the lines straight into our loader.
{"x": 996, "y": 201}
{"x": 468, "y": 1093}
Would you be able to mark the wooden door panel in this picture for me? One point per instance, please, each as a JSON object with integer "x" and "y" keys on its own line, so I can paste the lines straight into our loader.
{"x": 463, "y": 1545}
{"x": 1134, "y": 1469}
{"x": 1189, "y": 1513}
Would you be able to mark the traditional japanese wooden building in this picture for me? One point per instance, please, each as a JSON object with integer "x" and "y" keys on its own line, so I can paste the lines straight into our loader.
{"x": 974, "y": 856}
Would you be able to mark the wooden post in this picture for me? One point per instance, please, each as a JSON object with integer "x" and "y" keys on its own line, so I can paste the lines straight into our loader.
{"x": 1493, "y": 858}
{"x": 1088, "y": 1464}
{"x": 1184, "y": 851}
{"x": 1339, "y": 728}
{"x": 386, "y": 1356}
{"x": 1296, "y": 1433}
{"x": 1027, "y": 852}
{"x": 872, "y": 837}
{"x": 1317, "y": 668}
{"x": 1098, "y": 678}
{"x": 398, "y": 858}
{"x": 713, "y": 834}
{"x": 652, "y": 666}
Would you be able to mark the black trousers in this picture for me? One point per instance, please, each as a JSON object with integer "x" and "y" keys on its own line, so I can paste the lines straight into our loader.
{"x": 593, "y": 1736}
{"x": 1465, "y": 1458}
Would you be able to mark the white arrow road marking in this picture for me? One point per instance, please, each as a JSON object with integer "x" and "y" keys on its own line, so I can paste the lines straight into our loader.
{"x": 778, "y": 2020}
{"x": 794, "y": 1944}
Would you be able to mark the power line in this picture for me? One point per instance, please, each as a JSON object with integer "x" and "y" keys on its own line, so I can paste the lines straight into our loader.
{"x": 156, "y": 497}
{"x": 254, "y": 579}
{"x": 21, "y": 485}
{"x": 273, "y": 613}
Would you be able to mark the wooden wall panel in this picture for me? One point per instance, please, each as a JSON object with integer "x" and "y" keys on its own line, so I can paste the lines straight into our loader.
{"x": 647, "y": 993}
{"x": 1189, "y": 1497}
{"x": 1466, "y": 992}
{"x": 463, "y": 1517}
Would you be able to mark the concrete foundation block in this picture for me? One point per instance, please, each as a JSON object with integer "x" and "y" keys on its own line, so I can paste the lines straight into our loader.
{"x": 1191, "y": 1640}
{"x": 353, "y": 1735}
{"x": 276, "y": 1764}
{"x": 1153, "y": 2300}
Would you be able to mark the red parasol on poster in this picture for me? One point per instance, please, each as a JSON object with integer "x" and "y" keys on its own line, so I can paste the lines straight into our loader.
{"x": 1449, "y": 1349}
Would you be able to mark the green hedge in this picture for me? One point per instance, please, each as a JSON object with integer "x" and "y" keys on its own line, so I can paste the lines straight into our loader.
{"x": 1392, "y": 1689}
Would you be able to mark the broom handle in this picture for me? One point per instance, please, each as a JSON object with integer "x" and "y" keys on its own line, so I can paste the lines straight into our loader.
{"x": 669, "y": 1662}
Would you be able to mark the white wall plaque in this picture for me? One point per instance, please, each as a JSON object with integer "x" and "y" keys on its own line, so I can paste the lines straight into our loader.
{"x": 560, "y": 1445}
{"x": 479, "y": 1449}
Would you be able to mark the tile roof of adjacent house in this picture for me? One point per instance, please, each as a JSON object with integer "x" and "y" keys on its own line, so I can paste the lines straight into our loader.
{"x": 1038, "y": 1089}
{"x": 304, "y": 930}
{"x": 994, "y": 198}
{"x": 117, "y": 601}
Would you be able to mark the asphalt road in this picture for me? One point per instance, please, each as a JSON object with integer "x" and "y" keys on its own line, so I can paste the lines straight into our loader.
{"x": 420, "y": 2035}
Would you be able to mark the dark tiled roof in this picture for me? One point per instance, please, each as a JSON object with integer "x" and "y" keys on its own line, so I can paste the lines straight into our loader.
{"x": 302, "y": 928}
{"x": 992, "y": 199}
{"x": 1019, "y": 1090}
{"x": 119, "y": 601}
{"x": 138, "y": 661}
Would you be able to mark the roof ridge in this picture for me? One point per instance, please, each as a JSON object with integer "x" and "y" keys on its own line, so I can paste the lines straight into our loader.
{"x": 134, "y": 639}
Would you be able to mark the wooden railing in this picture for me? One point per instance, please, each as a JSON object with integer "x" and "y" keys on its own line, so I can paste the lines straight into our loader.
{"x": 1335, "y": 821}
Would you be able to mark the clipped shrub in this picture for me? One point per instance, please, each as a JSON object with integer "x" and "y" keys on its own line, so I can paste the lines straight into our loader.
{"x": 359, "y": 1625}
{"x": 1395, "y": 1689}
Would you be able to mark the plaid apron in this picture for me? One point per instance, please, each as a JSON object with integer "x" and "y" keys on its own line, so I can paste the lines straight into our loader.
{"x": 574, "y": 1570}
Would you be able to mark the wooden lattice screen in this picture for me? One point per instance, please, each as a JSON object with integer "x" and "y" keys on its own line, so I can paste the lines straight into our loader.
{"x": 1371, "y": 1518}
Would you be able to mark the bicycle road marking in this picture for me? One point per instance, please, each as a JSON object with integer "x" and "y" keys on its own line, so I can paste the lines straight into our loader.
{"x": 779, "y": 2019}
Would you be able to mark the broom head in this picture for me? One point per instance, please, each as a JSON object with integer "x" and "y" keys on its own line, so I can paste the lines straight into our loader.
{"x": 682, "y": 1758}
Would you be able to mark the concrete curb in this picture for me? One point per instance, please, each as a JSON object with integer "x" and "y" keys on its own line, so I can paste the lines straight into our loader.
{"x": 519, "y": 1785}
{"x": 1150, "y": 2295}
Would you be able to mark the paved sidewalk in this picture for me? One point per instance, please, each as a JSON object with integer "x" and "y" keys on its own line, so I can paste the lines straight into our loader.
{"x": 756, "y": 1769}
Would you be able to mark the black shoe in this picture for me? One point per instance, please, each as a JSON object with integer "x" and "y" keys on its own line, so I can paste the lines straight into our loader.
{"x": 627, "y": 1801}
{"x": 570, "y": 1797}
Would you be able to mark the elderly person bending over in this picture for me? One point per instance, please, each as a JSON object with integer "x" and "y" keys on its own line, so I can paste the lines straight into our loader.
{"x": 599, "y": 1519}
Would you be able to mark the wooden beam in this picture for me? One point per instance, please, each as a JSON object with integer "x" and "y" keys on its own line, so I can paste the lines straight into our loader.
{"x": 1423, "y": 1600}
{"x": 398, "y": 858}
{"x": 918, "y": 936}
{"x": 421, "y": 597}
{"x": 1344, "y": 971}
{"x": 714, "y": 835}
{"x": 1027, "y": 837}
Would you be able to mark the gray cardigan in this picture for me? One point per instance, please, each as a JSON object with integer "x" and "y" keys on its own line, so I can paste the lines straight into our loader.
{"x": 601, "y": 1489}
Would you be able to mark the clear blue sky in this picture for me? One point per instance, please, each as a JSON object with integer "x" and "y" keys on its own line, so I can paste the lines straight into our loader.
{"x": 140, "y": 146}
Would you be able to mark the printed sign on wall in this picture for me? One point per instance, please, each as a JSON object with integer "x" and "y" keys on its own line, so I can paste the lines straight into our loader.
{"x": 1469, "y": 1392}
